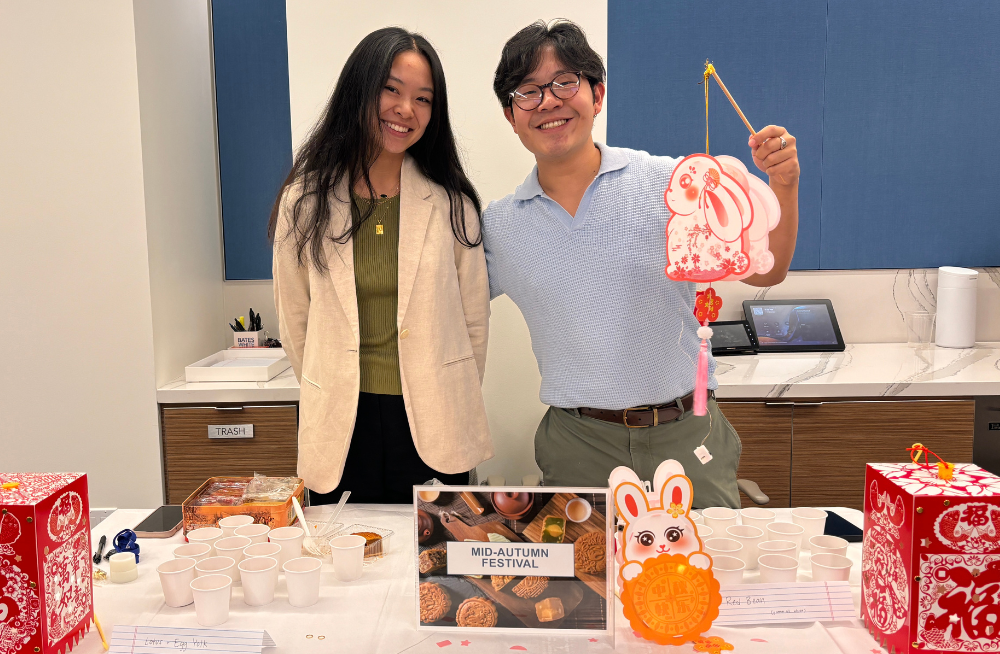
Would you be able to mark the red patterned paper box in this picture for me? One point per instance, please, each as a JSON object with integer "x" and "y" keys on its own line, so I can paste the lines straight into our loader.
{"x": 931, "y": 559}
{"x": 46, "y": 584}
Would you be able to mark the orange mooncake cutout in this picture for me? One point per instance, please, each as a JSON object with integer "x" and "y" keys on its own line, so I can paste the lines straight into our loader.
{"x": 671, "y": 602}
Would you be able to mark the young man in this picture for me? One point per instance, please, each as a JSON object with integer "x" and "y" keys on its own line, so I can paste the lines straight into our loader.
{"x": 580, "y": 247}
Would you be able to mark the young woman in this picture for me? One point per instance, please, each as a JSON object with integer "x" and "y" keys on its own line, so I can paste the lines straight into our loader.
{"x": 380, "y": 283}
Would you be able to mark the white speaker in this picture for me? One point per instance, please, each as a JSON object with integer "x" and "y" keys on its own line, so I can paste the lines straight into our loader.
{"x": 956, "y": 307}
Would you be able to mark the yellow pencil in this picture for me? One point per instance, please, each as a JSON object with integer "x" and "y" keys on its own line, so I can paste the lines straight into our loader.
{"x": 100, "y": 632}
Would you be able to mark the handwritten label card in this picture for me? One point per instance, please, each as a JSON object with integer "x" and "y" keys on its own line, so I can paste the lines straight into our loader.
{"x": 156, "y": 640}
{"x": 815, "y": 601}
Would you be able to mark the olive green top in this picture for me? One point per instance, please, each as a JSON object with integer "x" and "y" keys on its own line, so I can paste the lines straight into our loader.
{"x": 376, "y": 277}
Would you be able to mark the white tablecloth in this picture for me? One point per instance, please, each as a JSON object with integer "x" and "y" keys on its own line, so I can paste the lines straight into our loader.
{"x": 377, "y": 613}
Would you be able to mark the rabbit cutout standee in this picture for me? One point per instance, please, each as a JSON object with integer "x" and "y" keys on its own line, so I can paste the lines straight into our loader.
{"x": 667, "y": 529}
{"x": 667, "y": 468}
{"x": 669, "y": 594}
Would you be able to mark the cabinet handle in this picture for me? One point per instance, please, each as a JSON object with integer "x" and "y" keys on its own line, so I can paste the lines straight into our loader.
{"x": 232, "y": 408}
{"x": 794, "y": 403}
{"x": 212, "y": 408}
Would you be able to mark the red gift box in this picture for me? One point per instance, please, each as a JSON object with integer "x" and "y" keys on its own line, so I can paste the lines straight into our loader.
{"x": 931, "y": 559}
{"x": 46, "y": 583}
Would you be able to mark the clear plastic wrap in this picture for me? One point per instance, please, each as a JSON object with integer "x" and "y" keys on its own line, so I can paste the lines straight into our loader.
{"x": 270, "y": 489}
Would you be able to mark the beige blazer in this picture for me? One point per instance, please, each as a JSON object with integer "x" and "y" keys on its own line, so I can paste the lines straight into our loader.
{"x": 442, "y": 323}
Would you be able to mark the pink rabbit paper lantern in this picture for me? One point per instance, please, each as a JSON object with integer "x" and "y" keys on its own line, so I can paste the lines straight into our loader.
{"x": 718, "y": 231}
{"x": 722, "y": 215}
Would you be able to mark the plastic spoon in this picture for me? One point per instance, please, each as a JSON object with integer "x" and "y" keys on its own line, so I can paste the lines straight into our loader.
{"x": 308, "y": 541}
{"x": 328, "y": 527}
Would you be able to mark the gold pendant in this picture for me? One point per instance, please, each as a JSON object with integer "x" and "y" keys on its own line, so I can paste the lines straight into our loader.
{"x": 379, "y": 230}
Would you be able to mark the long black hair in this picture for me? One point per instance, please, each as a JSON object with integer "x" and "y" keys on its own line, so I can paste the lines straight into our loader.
{"x": 346, "y": 141}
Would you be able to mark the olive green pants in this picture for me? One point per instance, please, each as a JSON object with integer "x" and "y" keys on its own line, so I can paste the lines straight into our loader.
{"x": 574, "y": 450}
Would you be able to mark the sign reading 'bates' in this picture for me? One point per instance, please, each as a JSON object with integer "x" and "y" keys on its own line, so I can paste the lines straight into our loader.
{"x": 931, "y": 559}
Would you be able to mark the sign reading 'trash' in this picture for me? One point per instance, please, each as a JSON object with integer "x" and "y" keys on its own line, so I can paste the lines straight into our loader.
{"x": 230, "y": 431}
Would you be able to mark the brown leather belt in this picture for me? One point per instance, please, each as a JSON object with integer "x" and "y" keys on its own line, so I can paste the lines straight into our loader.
{"x": 643, "y": 416}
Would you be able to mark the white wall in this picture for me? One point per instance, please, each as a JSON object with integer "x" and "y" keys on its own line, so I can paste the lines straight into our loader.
{"x": 176, "y": 101}
{"x": 77, "y": 386}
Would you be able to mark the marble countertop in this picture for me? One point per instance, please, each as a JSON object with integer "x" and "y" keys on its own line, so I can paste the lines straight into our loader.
{"x": 281, "y": 388}
{"x": 862, "y": 370}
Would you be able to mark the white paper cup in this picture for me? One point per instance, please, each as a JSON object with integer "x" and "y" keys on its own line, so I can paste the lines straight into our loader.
{"x": 828, "y": 545}
{"x": 122, "y": 568}
{"x": 696, "y": 518}
{"x": 750, "y": 537}
{"x": 723, "y": 547}
{"x": 813, "y": 521}
{"x": 211, "y": 599}
{"x": 786, "y": 547}
{"x": 719, "y": 517}
{"x": 830, "y": 567}
{"x": 217, "y": 565}
{"x": 578, "y": 509}
{"x": 176, "y": 576}
{"x": 259, "y": 576}
{"x": 348, "y": 553}
{"x": 230, "y": 524}
{"x": 256, "y": 533}
{"x": 786, "y": 531}
{"x": 196, "y": 551}
{"x": 232, "y": 547}
{"x": 302, "y": 579}
{"x": 704, "y": 531}
{"x": 728, "y": 570}
{"x": 777, "y": 569}
{"x": 272, "y": 550}
{"x": 290, "y": 539}
{"x": 205, "y": 535}
{"x": 757, "y": 517}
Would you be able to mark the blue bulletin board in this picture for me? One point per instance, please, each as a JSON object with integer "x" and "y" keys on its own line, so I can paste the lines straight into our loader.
{"x": 254, "y": 124}
{"x": 893, "y": 103}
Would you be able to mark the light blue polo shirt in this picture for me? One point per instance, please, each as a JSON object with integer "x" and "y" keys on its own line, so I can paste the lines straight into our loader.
{"x": 608, "y": 328}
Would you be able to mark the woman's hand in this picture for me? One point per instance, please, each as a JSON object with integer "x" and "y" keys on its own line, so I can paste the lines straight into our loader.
{"x": 781, "y": 165}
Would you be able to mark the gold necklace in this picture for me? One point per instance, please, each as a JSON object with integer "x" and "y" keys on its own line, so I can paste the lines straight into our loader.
{"x": 379, "y": 229}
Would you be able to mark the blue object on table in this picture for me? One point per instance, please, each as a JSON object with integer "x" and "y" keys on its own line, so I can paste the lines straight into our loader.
{"x": 125, "y": 541}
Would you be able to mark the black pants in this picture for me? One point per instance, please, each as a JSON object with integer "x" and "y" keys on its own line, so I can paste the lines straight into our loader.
{"x": 383, "y": 465}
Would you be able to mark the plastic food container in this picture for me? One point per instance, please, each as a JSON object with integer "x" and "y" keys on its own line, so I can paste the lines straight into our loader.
{"x": 374, "y": 549}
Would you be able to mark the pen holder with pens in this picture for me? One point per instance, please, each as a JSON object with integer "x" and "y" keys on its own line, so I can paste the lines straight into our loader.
{"x": 248, "y": 335}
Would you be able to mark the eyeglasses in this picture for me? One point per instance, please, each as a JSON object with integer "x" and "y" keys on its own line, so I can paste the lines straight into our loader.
{"x": 529, "y": 96}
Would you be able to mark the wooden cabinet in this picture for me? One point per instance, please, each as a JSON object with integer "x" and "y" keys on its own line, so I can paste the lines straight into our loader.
{"x": 765, "y": 431}
{"x": 190, "y": 456}
{"x": 832, "y": 442}
{"x": 813, "y": 452}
